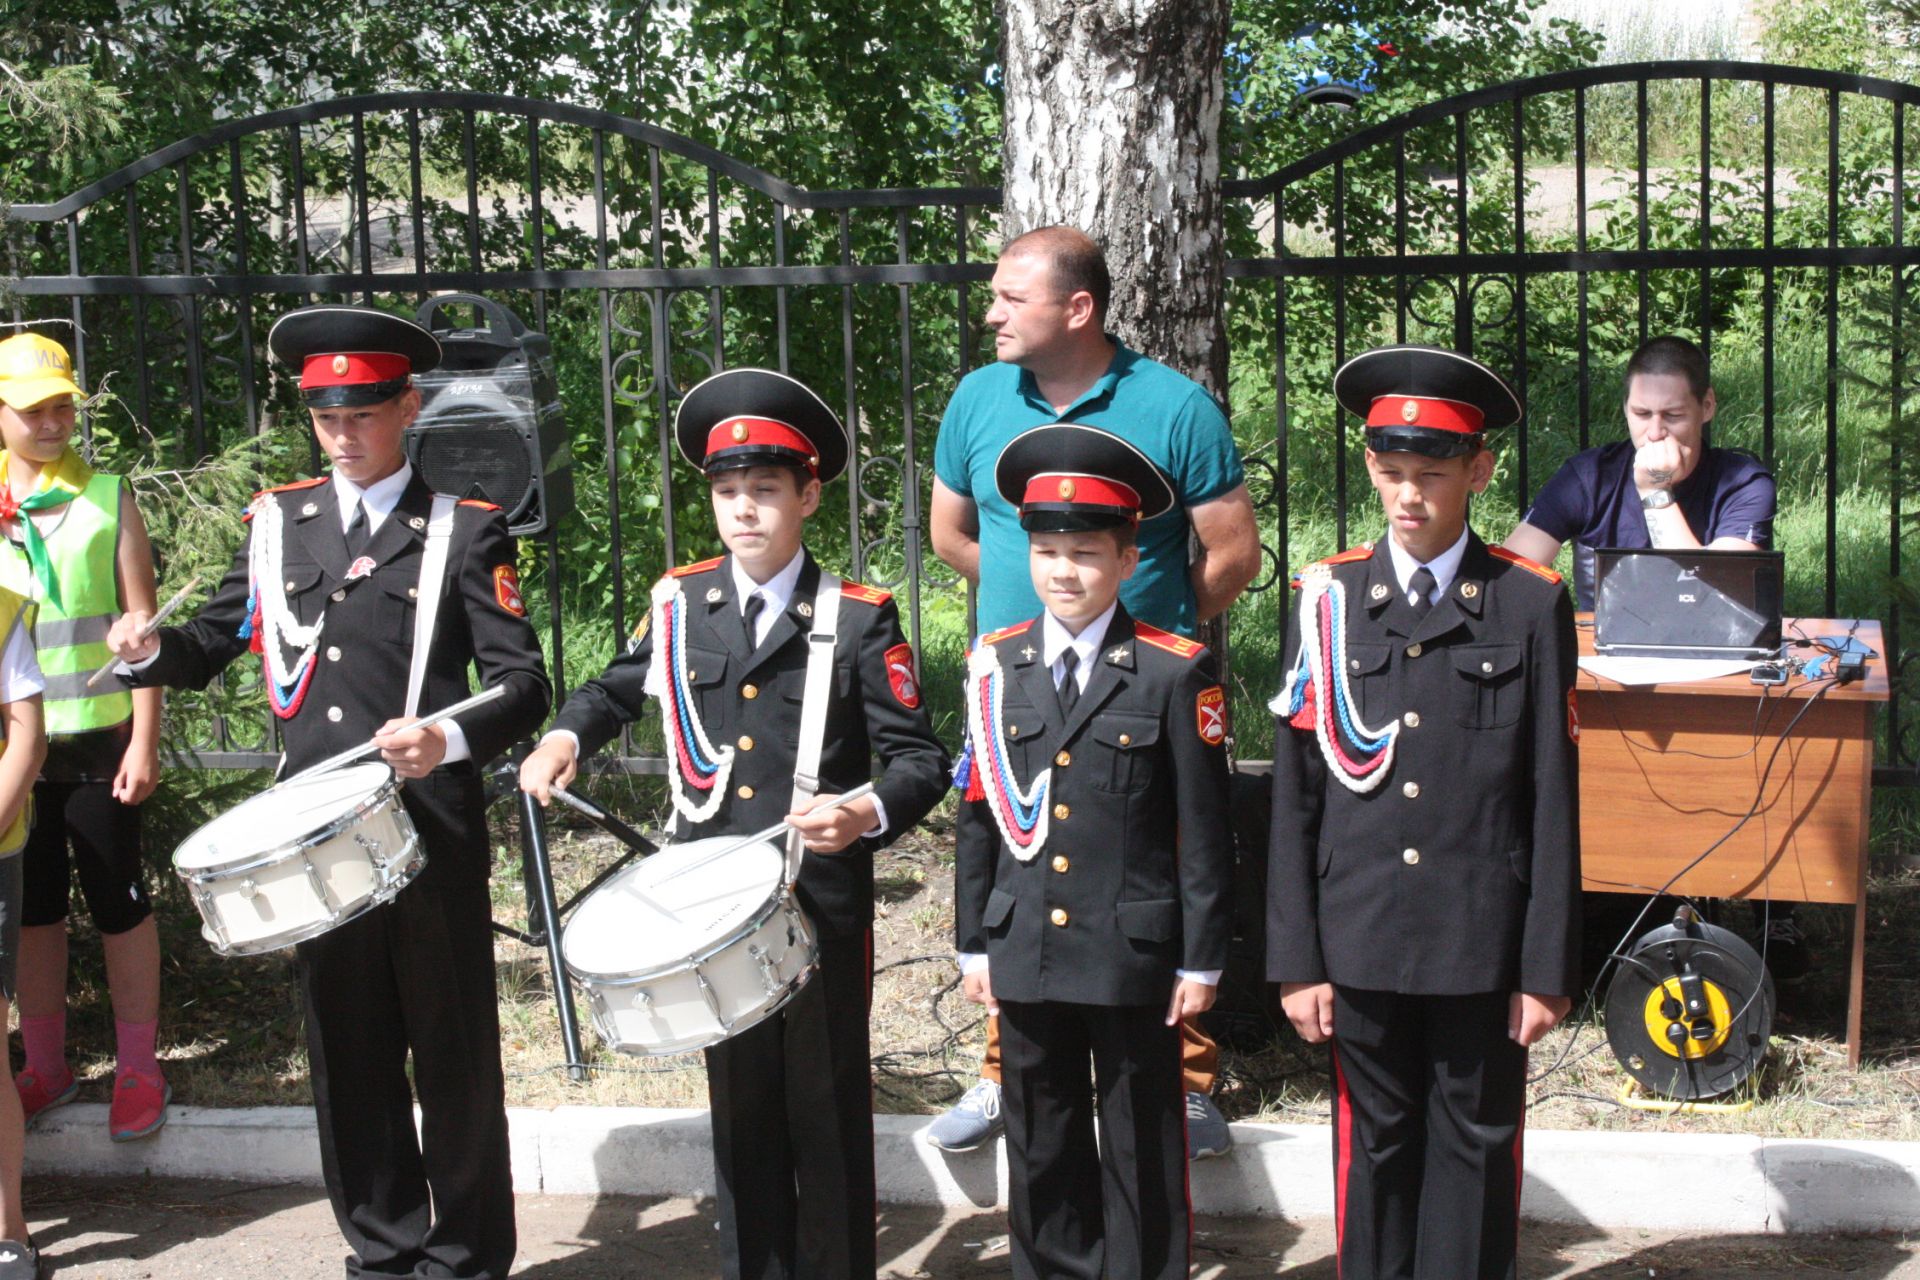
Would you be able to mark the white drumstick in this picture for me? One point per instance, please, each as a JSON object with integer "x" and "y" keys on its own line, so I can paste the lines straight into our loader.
{"x": 445, "y": 713}
{"x": 153, "y": 625}
{"x": 847, "y": 797}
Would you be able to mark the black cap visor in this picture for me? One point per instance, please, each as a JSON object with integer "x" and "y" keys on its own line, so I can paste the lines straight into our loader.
{"x": 355, "y": 396}
{"x": 746, "y": 456}
{"x": 1080, "y": 517}
{"x": 1424, "y": 440}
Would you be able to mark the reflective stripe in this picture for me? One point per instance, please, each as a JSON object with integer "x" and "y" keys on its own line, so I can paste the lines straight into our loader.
{"x": 73, "y": 686}
{"x": 59, "y": 633}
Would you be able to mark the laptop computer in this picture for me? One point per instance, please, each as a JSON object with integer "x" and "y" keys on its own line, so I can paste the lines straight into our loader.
{"x": 1691, "y": 603}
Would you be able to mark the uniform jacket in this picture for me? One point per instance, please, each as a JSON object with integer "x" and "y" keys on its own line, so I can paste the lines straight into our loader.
{"x": 360, "y": 677}
{"x": 749, "y": 699}
{"x": 1460, "y": 873}
{"x": 1139, "y": 848}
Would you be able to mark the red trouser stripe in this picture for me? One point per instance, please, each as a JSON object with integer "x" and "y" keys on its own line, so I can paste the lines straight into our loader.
{"x": 1342, "y": 1157}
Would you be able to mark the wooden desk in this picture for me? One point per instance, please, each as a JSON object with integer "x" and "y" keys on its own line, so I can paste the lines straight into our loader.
{"x": 1667, "y": 770}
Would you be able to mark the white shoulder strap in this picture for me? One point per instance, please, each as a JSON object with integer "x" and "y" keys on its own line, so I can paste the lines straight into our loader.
{"x": 426, "y": 611}
{"x": 815, "y": 696}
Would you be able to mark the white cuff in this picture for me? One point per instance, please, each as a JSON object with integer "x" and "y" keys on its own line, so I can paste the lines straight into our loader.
{"x": 568, "y": 734}
{"x": 457, "y": 748}
{"x": 970, "y": 962}
{"x": 879, "y": 820}
{"x": 134, "y": 668}
{"x": 1205, "y": 977}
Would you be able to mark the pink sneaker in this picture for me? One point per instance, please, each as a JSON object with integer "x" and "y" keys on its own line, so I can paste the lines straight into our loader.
{"x": 139, "y": 1106}
{"x": 37, "y": 1097}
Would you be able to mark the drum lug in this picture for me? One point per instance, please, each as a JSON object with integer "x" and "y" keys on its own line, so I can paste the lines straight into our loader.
{"x": 211, "y": 915}
{"x": 320, "y": 890}
{"x": 643, "y": 1001}
{"x": 373, "y": 849}
{"x": 769, "y": 976}
{"x": 713, "y": 1003}
{"x": 248, "y": 889}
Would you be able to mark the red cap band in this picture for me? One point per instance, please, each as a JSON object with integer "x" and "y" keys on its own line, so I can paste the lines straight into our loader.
{"x": 1092, "y": 491}
{"x": 1425, "y": 411}
{"x": 764, "y": 433}
{"x": 352, "y": 369}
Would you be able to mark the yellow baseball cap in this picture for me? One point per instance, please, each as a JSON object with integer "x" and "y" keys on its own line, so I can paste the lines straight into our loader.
{"x": 33, "y": 369}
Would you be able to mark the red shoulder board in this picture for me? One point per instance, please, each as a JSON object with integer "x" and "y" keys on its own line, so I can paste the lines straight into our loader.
{"x": 1351, "y": 554}
{"x": 995, "y": 637}
{"x": 865, "y": 594}
{"x": 289, "y": 488}
{"x": 1172, "y": 643}
{"x": 475, "y": 502}
{"x": 688, "y": 570}
{"x": 1536, "y": 569}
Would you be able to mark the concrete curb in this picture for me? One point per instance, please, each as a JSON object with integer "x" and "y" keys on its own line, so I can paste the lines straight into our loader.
{"x": 1718, "y": 1183}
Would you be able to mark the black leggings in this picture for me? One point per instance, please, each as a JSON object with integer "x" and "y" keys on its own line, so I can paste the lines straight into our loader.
{"x": 105, "y": 836}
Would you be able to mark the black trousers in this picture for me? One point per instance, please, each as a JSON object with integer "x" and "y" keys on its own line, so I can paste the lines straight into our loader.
{"x": 416, "y": 975}
{"x": 1429, "y": 1109}
{"x": 1118, "y": 1208}
{"x": 792, "y": 1101}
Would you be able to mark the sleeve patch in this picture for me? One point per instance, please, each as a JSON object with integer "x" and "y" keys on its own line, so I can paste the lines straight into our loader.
{"x": 639, "y": 631}
{"x": 506, "y": 590}
{"x": 1210, "y": 715}
{"x": 1573, "y": 718}
{"x": 906, "y": 688}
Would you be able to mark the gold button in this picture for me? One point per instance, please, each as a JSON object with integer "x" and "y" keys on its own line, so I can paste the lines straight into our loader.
{"x": 747, "y": 691}
{"x": 338, "y": 596}
{"x": 692, "y": 674}
{"x": 1061, "y": 812}
{"x": 1412, "y": 719}
{"x": 1486, "y": 666}
{"x": 1414, "y": 650}
{"x": 745, "y": 793}
{"x": 1126, "y": 739}
{"x": 1411, "y": 790}
{"x": 1063, "y": 759}
{"x": 1353, "y": 664}
{"x": 334, "y": 714}
{"x": 413, "y": 593}
{"x": 1059, "y": 917}
{"x": 1411, "y": 857}
{"x": 289, "y": 584}
{"x": 333, "y": 653}
{"x": 746, "y": 742}
{"x": 1060, "y": 863}
{"x": 1013, "y": 731}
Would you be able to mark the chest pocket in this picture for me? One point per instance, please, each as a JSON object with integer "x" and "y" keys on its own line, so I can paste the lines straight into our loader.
{"x": 398, "y": 600}
{"x": 1371, "y": 683}
{"x": 1489, "y": 685}
{"x": 793, "y": 690}
{"x": 707, "y": 675}
{"x": 302, "y": 583}
{"x": 1131, "y": 744}
{"x": 1021, "y": 729}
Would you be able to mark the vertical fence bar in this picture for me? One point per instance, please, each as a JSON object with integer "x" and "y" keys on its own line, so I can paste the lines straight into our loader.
{"x": 1833, "y": 349}
{"x": 79, "y": 319}
{"x": 190, "y": 314}
{"x": 243, "y": 267}
{"x": 1706, "y": 218}
{"x": 297, "y": 158}
{"x": 661, "y": 336}
{"x": 856, "y": 545}
{"x": 1399, "y": 239}
{"x": 1463, "y": 291}
{"x": 1640, "y": 186}
{"x": 609, "y": 431}
{"x": 1897, "y": 379}
{"x": 363, "y": 203}
{"x": 1339, "y": 349}
{"x": 416, "y": 198}
{"x": 1584, "y": 357}
{"x": 142, "y": 380}
{"x": 1767, "y": 283}
{"x": 473, "y": 189}
{"x": 780, "y": 291}
{"x": 909, "y": 461}
{"x": 1520, "y": 298}
{"x": 538, "y": 220}
{"x": 714, "y": 314}
{"x": 1282, "y": 535}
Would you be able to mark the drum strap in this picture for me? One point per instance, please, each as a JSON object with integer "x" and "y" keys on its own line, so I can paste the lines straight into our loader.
{"x": 433, "y": 573}
{"x": 817, "y": 692}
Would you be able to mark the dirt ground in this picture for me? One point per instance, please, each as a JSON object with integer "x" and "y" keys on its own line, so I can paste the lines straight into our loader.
{"x": 137, "y": 1229}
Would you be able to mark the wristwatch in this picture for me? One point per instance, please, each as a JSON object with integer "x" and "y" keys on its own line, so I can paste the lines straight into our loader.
{"x": 1656, "y": 500}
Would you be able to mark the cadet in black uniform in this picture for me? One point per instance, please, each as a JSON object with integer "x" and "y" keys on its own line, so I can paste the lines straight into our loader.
{"x": 724, "y": 649}
{"x": 416, "y": 975}
{"x": 1425, "y": 857}
{"x": 1093, "y": 867}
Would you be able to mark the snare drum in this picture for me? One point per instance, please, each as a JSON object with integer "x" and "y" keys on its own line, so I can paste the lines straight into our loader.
{"x": 300, "y": 858}
{"x": 683, "y": 950}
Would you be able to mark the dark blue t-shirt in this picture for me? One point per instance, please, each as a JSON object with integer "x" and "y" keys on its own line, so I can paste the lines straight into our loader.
{"x": 1591, "y": 502}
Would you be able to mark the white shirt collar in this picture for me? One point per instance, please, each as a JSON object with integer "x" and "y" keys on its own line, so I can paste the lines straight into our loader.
{"x": 777, "y": 591}
{"x": 1055, "y": 640}
{"x": 380, "y": 497}
{"x": 1444, "y": 567}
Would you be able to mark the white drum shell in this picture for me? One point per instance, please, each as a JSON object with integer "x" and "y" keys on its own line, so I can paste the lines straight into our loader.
{"x": 268, "y": 884}
{"x": 720, "y": 982}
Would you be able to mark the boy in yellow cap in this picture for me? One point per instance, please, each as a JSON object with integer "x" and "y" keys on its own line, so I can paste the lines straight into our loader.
{"x": 75, "y": 544}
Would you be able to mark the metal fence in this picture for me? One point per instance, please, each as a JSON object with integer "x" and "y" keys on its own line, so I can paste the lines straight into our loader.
{"x": 1758, "y": 208}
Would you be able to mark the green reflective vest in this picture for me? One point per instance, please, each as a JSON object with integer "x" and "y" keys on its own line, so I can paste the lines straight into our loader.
{"x": 72, "y": 639}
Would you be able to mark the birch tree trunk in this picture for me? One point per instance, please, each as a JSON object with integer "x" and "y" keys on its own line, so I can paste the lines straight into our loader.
{"x": 1113, "y": 126}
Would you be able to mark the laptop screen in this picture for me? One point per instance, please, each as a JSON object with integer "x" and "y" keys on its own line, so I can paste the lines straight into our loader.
{"x": 1687, "y": 603}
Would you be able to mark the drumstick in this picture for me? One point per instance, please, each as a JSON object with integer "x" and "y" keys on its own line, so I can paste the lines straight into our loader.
{"x": 153, "y": 625}
{"x": 864, "y": 789}
{"x": 445, "y": 713}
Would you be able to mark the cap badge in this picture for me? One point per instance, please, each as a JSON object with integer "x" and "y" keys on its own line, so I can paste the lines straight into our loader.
{"x": 1468, "y": 590}
{"x": 339, "y": 365}
{"x": 1409, "y": 410}
{"x": 1066, "y": 491}
{"x": 1379, "y": 591}
{"x": 740, "y": 433}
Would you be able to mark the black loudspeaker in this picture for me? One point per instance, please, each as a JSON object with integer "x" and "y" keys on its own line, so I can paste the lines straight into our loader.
{"x": 490, "y": 424}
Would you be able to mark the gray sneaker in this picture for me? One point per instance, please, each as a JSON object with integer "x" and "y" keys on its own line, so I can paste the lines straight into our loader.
{"x": 1207, "y": 1131}
{"x": 971, "y": 1121}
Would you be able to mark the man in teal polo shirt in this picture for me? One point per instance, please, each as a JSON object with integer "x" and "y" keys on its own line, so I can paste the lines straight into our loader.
{"x": 1056, "y": 363}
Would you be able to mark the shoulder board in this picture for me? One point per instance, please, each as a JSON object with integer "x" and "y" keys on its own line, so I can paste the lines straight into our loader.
{"x": 1536, "y": 569}
{"x": 1006, "y": 633}
{"x": 865, "y": 594}
{"x": 289, "y": 488}
{"x": 688, "y": 570}
{"x": 1172, "y": 643}
{"x": 475, "y": 502}
{"x": 1349, "y": 556}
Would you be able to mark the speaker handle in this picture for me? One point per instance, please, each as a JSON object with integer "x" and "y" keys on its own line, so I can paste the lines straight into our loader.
{"x": 505, "y": 326}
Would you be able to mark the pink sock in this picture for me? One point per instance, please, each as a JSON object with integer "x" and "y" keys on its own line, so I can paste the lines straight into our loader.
{"x": 45, "y": 1040}
{"x": 133, "y": 1044}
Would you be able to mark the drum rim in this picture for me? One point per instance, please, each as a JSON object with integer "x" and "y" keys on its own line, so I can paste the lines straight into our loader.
{"x": 387, "y": 791}
{"x": 784, "y": 894}
{"x": 776, "y": 1002}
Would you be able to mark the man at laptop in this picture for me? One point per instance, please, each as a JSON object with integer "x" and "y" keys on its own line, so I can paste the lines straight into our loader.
{"x": 1664, "y": 487}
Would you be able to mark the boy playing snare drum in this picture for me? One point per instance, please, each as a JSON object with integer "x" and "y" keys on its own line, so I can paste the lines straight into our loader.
{"x": 724, "y": 651}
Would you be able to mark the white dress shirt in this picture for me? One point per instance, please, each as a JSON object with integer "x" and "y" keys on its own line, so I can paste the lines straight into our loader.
{"x": 1444, "y": 567}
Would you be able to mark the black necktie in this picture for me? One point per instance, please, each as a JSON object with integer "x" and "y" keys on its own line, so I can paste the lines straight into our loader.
{"x": 1423, "y": 584}
{"x": 357, "y": 531}
{"x": 750, "y": 614}
{"x": 1069, "y": 687}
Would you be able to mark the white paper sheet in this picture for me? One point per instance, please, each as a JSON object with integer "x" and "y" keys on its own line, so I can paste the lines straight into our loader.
{"x": 1647, "y": 671}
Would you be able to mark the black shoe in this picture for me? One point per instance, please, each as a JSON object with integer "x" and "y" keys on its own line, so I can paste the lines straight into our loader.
{"x": 19, "y": 1261}
{"x": 1788, "y": 956}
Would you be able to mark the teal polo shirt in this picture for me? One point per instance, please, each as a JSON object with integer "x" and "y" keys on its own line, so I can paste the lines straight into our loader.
{"x": 1166, "y": 415}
